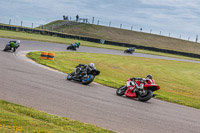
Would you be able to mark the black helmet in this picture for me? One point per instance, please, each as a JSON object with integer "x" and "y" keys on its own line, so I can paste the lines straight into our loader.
{"x": 149, "y": 76}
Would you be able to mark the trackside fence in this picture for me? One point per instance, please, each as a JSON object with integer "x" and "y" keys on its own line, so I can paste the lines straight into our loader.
{"x": 63, "y": 35}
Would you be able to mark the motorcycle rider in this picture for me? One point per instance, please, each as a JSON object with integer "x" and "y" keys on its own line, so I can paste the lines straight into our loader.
{"x": 130, "y": 50}
{"x": 77, "y": 44}
{"x": 73, "y": 44}
{"x": 14, "y": 44}
{"x": 149, "y": 79}
{"x": 80, "y": 69}
{"x": 92, "y": 66}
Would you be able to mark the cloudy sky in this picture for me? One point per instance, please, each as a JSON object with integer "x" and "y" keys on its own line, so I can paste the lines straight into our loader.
{"x": 174, "y": 17}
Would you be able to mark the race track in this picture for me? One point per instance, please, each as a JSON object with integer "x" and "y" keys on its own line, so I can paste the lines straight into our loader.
{"x": 28, "y": 84}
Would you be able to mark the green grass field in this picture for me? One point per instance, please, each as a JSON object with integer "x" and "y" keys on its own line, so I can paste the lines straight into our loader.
{"x": 20, "y": 119}
{"x": 179, "y": 81}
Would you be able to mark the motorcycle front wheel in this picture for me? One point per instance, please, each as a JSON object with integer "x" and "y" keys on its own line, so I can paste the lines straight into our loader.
{"x": 70, "y": 76}
{"x": 87, "y": 80}
{"x": 14, "y": 49}
{"x": 121, "y": 90}
{"x": 145, "y": 95}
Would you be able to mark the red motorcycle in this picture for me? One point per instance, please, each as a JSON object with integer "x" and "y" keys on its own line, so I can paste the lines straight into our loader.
{"x": 141, "y": 88}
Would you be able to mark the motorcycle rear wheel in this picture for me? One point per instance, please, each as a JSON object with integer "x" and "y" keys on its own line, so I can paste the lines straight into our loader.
{"x": 121, "y": 90}
{"x": 145, "y": 96}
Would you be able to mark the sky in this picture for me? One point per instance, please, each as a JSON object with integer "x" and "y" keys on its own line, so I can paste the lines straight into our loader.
{"x": 174, "y": 18}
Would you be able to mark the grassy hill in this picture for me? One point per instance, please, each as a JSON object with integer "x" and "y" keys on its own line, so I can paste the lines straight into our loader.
{"x": 124, "y": 36}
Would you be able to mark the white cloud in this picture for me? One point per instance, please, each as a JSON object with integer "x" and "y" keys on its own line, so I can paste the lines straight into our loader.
{"x": 176, "y": 16}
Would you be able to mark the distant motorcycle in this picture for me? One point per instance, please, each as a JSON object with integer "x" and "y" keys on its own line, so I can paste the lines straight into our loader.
{"x": 129, "y": 50}
{"x": 12, "y": 46}
{"x": 84, "y": 73}
{"x": 71, "y": 47}
{"x": 140, "y": 88}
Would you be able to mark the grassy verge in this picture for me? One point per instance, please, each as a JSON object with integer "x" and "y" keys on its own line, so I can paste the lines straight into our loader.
{"x": 179, "y": 81}
{"x": 126, "y": 36}
{"x": 17, "y": 118}
{"x": 45, "y": 38}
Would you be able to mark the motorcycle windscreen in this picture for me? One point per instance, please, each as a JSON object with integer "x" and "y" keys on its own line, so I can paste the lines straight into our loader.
{"x": 151, "y": 87}
{"x": 95, "y": 72}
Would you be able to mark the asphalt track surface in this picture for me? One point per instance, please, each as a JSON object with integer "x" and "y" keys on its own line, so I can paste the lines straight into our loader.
{"x": 28, "y": 84}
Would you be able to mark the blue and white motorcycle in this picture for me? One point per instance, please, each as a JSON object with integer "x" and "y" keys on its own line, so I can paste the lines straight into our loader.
{"x": 84, "y": 73}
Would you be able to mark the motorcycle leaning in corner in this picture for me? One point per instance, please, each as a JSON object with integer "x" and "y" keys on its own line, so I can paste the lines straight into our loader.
{"x": 141, "y": 88}
{"x": 12, "y": 46}
{"x": 129, "y": 50}
{"x": 73, "y": 46}
{"x": 84, "y": 73}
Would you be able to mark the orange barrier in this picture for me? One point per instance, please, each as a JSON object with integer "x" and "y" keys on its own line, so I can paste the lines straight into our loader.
{"x": 51, "y": 56}
{"x": 44, "y": 55}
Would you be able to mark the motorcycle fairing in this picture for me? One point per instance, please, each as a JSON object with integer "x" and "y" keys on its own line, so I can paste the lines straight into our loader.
{"x": 152, "y": 87}
{"x": 130, "y": 89}
{"x": 130, "y": 92}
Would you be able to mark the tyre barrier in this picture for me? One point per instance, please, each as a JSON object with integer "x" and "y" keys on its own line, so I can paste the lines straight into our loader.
{"x": 51, "y": 56}
{"x": 44, "y": 55}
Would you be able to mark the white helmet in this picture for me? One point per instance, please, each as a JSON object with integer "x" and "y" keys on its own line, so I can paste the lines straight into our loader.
{"x": 91, "y": 65}
{"x": 18, "y": 41}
